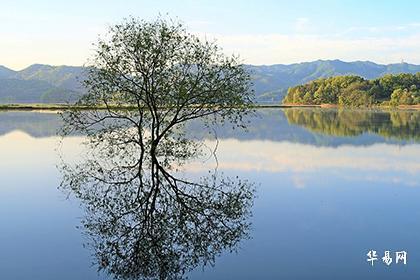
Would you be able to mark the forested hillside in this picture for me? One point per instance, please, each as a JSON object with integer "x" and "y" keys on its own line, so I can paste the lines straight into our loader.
{"x": 398, "y": 89}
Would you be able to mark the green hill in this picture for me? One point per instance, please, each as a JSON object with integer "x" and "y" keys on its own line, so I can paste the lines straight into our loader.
{"x": 351, "y": 90}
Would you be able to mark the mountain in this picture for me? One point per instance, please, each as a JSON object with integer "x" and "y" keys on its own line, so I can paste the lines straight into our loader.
{"x": 41, "y": 83}
{"x": 34, "y": 91}
{"x": 60, "y": 76}
{"x": 5, "y": 72}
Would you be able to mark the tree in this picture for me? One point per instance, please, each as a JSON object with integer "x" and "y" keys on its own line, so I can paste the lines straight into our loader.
{"x": 355, "y": 95}
{"x": 165, "y": 75}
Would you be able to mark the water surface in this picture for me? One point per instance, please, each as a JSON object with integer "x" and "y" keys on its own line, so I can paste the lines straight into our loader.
{"x": 331, "y": 185}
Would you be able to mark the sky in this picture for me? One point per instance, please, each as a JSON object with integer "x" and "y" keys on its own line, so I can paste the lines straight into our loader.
{"x": 261, "y": 32}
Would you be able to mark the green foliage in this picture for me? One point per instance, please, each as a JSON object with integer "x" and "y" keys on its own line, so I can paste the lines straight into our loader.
{"x": 356, "y": 95}
{"x": 355, "y": 91}
{"x": 405, "y": 96}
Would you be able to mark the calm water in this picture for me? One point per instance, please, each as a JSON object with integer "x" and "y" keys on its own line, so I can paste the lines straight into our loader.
{"x": 330, "y": 186}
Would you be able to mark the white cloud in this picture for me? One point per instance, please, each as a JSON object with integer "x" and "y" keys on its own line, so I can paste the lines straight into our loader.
{"x": 278, "y": 48}
{"x": 386, "y": 44}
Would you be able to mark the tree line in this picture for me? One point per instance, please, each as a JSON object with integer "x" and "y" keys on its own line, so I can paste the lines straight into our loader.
{"x": 355, "y": 91}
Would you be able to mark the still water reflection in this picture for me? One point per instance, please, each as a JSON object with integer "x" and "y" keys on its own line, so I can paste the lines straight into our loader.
{"x": 330, "y": 186}
{"x": 143, "y": 218}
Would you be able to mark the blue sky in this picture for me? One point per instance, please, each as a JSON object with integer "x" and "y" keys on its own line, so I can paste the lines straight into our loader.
{"x": 261, "y": 32}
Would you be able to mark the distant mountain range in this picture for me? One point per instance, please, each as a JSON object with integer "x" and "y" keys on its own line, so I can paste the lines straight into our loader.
{"x": 56, "y": 84}
{"x": 41, "y": 83}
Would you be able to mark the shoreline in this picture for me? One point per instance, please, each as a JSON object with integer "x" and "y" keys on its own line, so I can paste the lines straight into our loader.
{"x": 60, "y": 107}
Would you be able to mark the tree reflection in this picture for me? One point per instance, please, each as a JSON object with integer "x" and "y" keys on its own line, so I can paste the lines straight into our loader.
{"x": 401, "y": 125}
{"x": 144, "y": 217}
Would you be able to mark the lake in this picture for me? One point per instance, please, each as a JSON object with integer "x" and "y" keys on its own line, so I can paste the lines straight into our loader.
{"x": 330, "y": 186}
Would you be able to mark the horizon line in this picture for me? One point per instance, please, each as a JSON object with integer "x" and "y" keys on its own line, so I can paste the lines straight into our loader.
{"x": 267, "y": 65}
